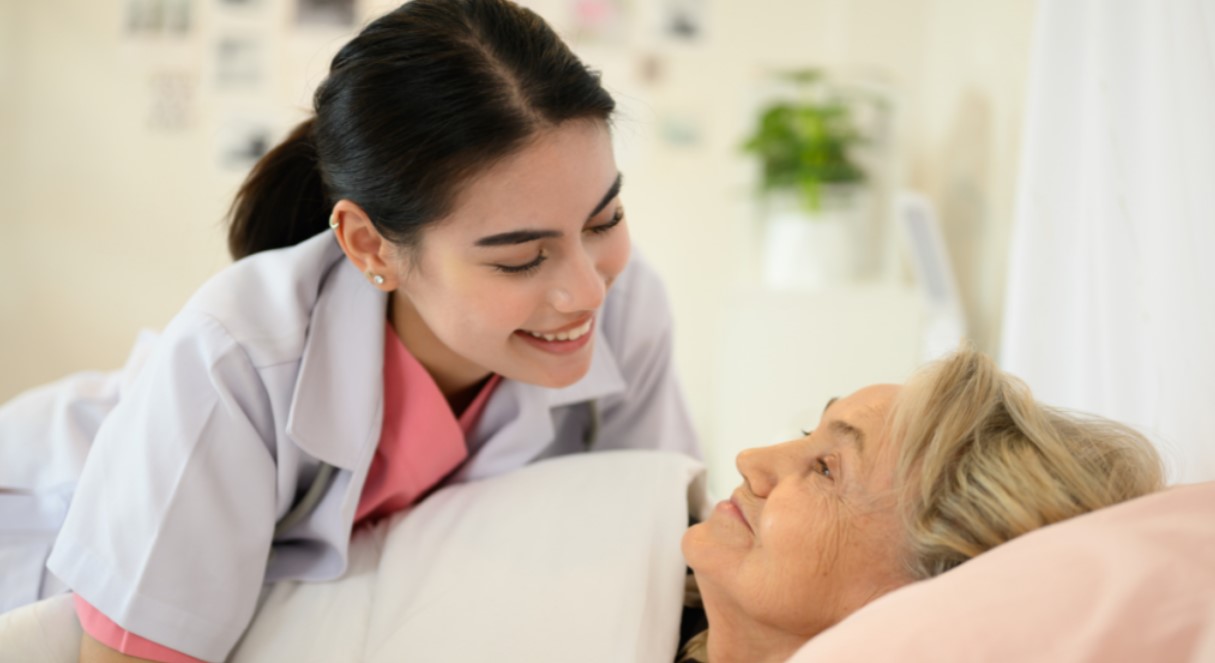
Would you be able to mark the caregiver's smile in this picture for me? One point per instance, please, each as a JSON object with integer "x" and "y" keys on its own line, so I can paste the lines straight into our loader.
{"x": 570, "y": 338}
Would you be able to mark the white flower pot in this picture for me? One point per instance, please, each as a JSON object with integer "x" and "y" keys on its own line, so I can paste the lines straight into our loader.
{"x": 813, "y": 250}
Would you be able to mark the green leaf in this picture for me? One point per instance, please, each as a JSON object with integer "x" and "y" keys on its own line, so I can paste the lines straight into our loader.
{"x": 803, "y": 144}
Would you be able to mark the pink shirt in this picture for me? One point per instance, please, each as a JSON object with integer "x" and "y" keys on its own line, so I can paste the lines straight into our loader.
{"x": 421, "y": 442}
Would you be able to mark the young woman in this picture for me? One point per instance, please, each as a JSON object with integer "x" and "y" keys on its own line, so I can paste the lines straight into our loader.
{"x": 433, "y": 284}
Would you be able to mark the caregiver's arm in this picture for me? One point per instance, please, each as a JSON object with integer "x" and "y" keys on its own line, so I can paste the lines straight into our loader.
{"x": 92, "y": 651}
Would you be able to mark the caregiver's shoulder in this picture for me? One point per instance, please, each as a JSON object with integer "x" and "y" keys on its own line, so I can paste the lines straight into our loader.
{"x": 266, "y": 300}
{"x": 637, "y": 304}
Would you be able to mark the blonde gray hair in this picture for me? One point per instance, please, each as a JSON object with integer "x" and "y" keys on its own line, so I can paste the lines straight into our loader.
{"x": 981, "y": 462}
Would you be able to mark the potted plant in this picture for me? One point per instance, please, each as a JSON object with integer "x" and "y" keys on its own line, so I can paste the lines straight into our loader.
{"x": 812, "y": 186}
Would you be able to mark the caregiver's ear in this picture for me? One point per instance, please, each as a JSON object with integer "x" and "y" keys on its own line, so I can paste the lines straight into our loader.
{"x": 364, "y": 246}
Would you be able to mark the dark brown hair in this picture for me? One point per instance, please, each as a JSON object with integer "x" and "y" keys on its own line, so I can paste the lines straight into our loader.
{"x": 421, "y": 100}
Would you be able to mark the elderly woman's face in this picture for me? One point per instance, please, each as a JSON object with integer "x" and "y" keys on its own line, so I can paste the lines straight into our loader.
{"x": 812, "y": 533}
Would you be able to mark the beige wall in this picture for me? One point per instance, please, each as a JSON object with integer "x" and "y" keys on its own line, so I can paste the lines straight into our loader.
{"x": 109, "y": 225}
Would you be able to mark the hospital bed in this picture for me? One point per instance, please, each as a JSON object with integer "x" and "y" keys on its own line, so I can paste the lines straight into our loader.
{"x": 577, "y": 558}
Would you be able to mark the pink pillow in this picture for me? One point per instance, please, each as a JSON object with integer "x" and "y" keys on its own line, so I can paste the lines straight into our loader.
{"x": 1133, "y": 582}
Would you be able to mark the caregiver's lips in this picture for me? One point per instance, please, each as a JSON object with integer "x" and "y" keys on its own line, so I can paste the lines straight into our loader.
{"x": 565, "y": 340}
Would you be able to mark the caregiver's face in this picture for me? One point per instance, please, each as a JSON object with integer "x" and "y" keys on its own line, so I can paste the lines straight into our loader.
{"x": 511, "y": 281}
{"x": 812, "y": 533}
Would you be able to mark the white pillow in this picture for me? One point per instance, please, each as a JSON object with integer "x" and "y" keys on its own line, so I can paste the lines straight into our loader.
{"x": 574, "y": 558}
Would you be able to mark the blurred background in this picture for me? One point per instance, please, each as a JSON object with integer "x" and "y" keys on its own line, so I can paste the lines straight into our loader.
{"x": 127, "y": 125}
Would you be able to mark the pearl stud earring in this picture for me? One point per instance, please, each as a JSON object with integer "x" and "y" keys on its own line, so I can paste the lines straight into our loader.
{"x": 375, "y": 278}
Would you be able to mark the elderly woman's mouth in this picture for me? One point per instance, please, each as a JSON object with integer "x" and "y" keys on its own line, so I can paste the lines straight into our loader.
{"x": 732, "y": 509}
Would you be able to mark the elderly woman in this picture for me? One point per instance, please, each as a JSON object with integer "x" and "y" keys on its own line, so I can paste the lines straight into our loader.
{"x": 895, "y": 484}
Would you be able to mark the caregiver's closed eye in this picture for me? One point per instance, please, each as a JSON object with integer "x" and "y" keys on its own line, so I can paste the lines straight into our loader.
{"x": 533, "y": 266}
{"x": 526, "y": 268}
{"x": 603, "y": 228}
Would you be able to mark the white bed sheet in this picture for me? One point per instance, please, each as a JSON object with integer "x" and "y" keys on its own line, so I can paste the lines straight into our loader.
{"x": 575, "y": 558}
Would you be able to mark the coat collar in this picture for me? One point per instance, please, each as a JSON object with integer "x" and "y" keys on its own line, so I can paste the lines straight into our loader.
{"x": 602, "y": 379}
{"x": 517, "y": 424}
{"x": 336, "y": 410}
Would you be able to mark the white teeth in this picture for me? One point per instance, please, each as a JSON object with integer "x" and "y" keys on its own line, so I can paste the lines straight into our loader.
{"x": 570, "y": 335}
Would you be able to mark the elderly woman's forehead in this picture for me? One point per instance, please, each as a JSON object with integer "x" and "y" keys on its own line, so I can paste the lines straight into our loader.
{"x": 872, "y": 403}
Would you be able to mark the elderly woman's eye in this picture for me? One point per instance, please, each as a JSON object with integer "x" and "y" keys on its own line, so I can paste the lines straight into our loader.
{"x": 823, "y": 469}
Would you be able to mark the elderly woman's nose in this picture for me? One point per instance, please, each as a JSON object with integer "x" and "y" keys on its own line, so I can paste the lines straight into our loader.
{"x": 756, "y": 467}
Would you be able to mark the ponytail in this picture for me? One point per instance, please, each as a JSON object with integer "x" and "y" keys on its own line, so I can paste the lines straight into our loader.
{"x": 282, "y": 200}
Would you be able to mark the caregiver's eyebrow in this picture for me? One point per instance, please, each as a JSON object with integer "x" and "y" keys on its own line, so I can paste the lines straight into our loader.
{"x": 517, "y": 237}
{"x": 524, "y": 236}
{"x": 612, "y": 192}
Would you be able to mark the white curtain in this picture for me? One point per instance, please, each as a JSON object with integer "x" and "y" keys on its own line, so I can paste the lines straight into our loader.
{"x": 1111, "y": 297}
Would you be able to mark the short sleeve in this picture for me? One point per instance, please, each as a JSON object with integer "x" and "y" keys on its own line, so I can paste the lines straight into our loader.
{"x": 651, "y": 412}
{"x": 169, "y": 530}
{"x": 100, "y": 628}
